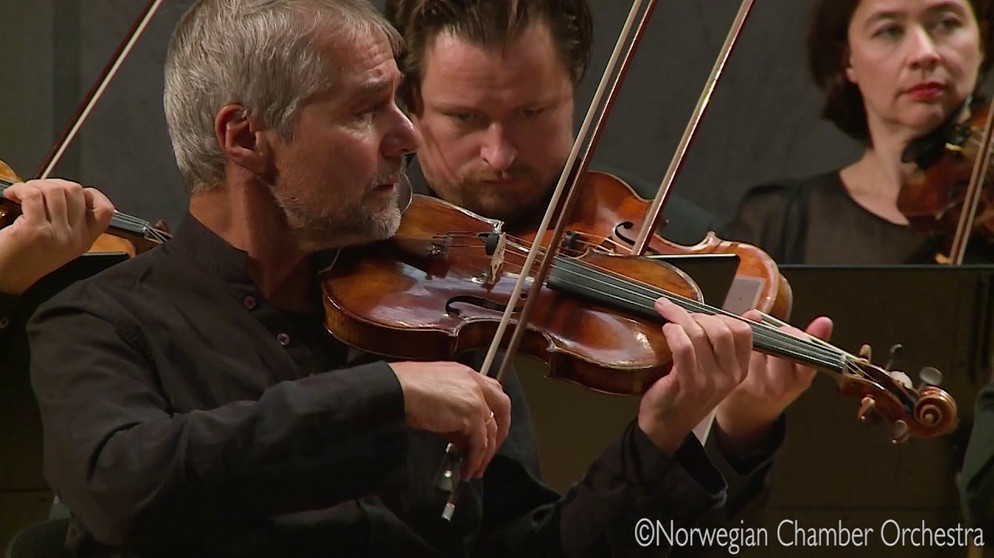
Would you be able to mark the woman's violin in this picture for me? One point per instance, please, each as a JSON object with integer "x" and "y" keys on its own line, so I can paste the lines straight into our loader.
{"x": 429, "y": 293}
{"x": 934, "y": 200}
{"x": 126, "y": 234}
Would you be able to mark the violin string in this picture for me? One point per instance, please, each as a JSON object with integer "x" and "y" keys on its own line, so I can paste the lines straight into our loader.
{"x": 791, "y": 345}
{"x": 472, "y": 241}
{"x": 809, "y": 347}
{"x": 825, "y": 355}
{"x": 647, "y": 295}
{"x": 828, "y": 355}
{"x": 652, "y": 290}
{"x": 777, "y": 322}
{"x": 850, "y": 358}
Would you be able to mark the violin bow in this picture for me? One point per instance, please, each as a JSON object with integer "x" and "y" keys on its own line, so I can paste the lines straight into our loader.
{"x": 964, "y": 227}
{"x": 91, "y": 98}
{"x": 137, "y": 230}
{"x": 572, "y": 179}
{"x": 452, "y": 456}
{"x": 655, "y": 210}
{"x": 662, "y": 195}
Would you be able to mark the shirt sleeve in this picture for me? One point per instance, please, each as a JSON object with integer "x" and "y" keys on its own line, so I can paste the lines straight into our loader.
{"x": 748, "y": 477}
{"x": 977, "y": 478}
{"x": 632, "y": 480}
{"x": 126, "y": 463}
{"x": 10, "y": 321}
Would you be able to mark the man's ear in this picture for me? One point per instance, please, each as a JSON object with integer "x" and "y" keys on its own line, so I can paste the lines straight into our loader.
{"x": 241, "y": 139}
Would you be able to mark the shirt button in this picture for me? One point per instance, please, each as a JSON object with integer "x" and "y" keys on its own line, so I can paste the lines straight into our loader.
{"x": 4, "y": 322}
{"x": 249, "y": 302}
{"x": 283, "y": 338}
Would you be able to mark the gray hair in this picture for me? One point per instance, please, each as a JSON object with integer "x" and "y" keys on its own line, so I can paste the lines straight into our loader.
{"x": 261, "y": 54}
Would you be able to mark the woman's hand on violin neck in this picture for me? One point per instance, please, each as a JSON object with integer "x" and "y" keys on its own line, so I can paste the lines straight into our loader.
{"x": 59, "y": 221}
{"x": 746, "y": 417}
{"x": 449, "y": 398}
{"x": 710, "y": 358}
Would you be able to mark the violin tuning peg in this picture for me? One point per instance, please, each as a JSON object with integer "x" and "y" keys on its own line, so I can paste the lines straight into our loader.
{"x": 865, "y": 408}
{"x": 866, "y": 352}
{"x": 893, "y": 356}
{"x": 901, "y": 378}
{"x": 901, "y": 432}
{"x": 930, "y": 376}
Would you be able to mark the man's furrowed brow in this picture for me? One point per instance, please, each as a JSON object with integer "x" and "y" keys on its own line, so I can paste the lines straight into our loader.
{"x": 376, "y": 87}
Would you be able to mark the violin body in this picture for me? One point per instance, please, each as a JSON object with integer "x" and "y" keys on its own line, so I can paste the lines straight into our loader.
{"x": 427, "y": 295}
{"x": 126, "y": 234}
{"x": 933, "y": 200}
{"x": 612, "y": 213}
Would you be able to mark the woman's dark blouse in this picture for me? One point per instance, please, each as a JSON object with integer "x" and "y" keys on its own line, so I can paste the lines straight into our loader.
{"x": 815, "y": 221}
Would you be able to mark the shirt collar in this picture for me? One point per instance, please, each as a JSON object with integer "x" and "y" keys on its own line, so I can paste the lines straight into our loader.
{"x": 208, "y": 251}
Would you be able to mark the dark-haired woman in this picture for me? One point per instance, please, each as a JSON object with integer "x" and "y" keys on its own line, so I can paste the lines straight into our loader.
{"x": 893, "y": 71}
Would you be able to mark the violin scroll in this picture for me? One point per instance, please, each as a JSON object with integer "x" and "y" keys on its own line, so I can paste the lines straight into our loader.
{"x": 926, "y": 412}
{"x": 935, "y": 411}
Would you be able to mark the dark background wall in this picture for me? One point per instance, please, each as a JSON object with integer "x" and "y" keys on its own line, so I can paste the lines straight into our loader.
{"x": 762, "y": 123}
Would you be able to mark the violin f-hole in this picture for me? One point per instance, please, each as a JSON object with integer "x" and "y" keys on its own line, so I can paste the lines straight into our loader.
{"x": 477, "y": 301}
{"x": 625, "y": 226}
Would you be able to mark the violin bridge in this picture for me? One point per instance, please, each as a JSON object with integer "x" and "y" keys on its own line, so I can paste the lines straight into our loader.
{"x": 496, "y": 243}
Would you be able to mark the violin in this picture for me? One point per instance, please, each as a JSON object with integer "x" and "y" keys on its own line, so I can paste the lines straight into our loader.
{"x": 934, "y": 200}
{"x": 610, "y": 213}
{"x": 125, "y": 233}
{"x": 429, "y": 293}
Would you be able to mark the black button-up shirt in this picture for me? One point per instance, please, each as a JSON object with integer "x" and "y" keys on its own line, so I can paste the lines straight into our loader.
{"x": 20, "y": 425}
{"x": 185, "y": 414}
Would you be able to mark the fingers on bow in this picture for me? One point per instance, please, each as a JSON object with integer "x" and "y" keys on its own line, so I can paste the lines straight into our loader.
{"x": 491, "y": 429}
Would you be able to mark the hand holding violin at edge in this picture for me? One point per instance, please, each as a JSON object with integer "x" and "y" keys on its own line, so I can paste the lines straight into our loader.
{"x": 710, "y": 359}
{"x": 59, "y": 220}
{"x": 448, "y": 398}
{"x": 746, "y": 417}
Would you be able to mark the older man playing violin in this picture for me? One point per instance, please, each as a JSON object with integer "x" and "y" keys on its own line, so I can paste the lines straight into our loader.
{"x": 194, "y": 403}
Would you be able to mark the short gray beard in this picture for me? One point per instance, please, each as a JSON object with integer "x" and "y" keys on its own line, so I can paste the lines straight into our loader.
{"x": 321, "y": 231}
